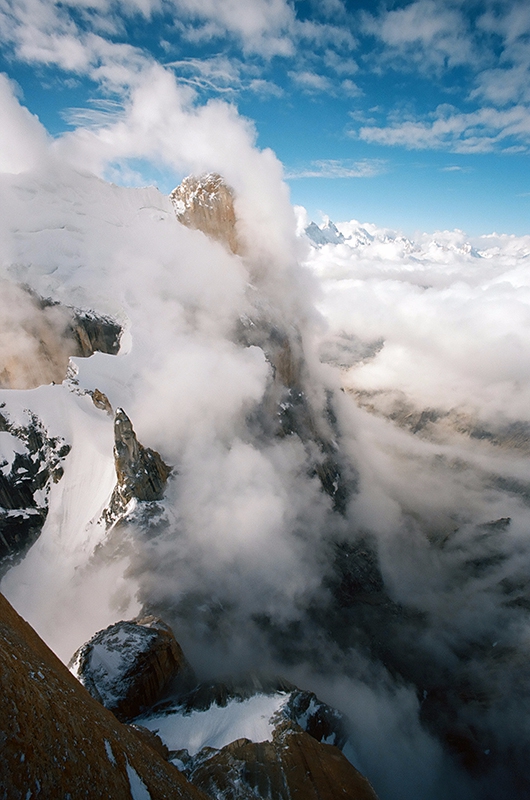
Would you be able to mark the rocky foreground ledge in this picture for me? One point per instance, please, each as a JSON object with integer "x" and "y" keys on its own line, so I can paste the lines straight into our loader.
{"x": 57, "y": 740}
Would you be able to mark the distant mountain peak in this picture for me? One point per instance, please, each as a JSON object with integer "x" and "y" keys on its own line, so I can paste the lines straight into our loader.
{"x": 327, "y": 234}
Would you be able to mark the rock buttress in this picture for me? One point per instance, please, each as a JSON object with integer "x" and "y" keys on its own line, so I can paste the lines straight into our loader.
{"x": 57, "y": 741}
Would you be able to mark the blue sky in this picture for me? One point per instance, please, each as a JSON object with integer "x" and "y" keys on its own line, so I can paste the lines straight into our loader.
{"x": 413, "y": 115}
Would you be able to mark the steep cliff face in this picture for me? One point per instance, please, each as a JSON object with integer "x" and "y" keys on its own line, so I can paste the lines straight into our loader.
{"x": 206, "y": 203}
{"x": 57, "y": 741}
{"x": 256, "y": 739}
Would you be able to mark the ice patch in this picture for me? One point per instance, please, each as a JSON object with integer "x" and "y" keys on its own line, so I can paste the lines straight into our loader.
{"x": 139, "y": 790}
{"x": 110, "y": 754}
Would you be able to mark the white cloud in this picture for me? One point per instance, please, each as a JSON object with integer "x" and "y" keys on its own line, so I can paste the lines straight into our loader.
{"x": 350, "y": 88}
{"x": 161, "y": 123}
{"x": 481, "y": 131}
{"x": 24, "y": 143}
{"x": 423, "y": 32}
{"x": 342, "y": 65}
{"x": 503, "y": 86}
{"x": 263, "y": 26}
{"x": 335, "y": 168}
{"x": 311, "y": 81}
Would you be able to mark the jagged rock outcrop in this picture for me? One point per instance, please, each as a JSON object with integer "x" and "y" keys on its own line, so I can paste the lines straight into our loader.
{"x": 293, "y": 766}
{"x": 94, "y": 333}
{"x": 39, "y": 335}
{"x": 206, "y": 203}
{"x": 101, "y": 401}
{"x": 57, "y": 741}
{"x": 297, "y": 757}
{"x": 127, "y": 666}
{"x": 141, "y": 474}
{"x": 303, "y": 708}
{"x": 30, "y": 460}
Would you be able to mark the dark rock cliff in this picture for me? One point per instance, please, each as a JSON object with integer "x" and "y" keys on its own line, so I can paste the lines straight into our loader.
{"x": 24, "y": 485}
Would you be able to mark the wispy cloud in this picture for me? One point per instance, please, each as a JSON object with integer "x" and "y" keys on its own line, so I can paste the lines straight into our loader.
{"x": 455, "y": 168}
{"x": 481, "y": 131}
{"x": 99, "y": 113}
{"x": 424, "y": 32}
{"x": 335, "y": 168}
{"x": 311, "y": 81}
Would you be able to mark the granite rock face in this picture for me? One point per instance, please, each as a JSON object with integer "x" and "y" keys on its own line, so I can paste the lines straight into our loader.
{"x": 206, "y": 203}
{"x": 258, "y": 738}
{"x": 57, "y": 741}
{"x": 295, "y": 752}
{"x": 127, "y": 666}
{"x": 293, "y": 766}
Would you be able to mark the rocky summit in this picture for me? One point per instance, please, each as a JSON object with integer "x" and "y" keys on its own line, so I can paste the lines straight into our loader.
{"x": 127, "y": 666}
{"x": 206, "y": 203}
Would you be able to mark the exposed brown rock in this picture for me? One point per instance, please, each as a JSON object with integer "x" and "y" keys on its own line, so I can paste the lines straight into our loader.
{"x": 101, "y": 401}
{"x": 294, "y": 766}
{"x": 127, "y": 666}
{"x": 150, "y": 738}
{"x": 57, "y": 741}
{"x": 38, "y": 336}
{"x": 206, "y": 203}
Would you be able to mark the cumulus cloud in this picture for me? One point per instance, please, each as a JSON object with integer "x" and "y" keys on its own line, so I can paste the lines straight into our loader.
{"x": 262, "y": 25}
{"x": 24, "y": 143}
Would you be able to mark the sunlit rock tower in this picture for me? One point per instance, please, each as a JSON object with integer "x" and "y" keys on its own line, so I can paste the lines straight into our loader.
{"x": 206, "y": 203}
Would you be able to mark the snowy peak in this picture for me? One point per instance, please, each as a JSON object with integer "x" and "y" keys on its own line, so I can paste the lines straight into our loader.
{"x": 388, "y": 244}
{"x": 326, "y": 234}
{"x": 206, "y": 203}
